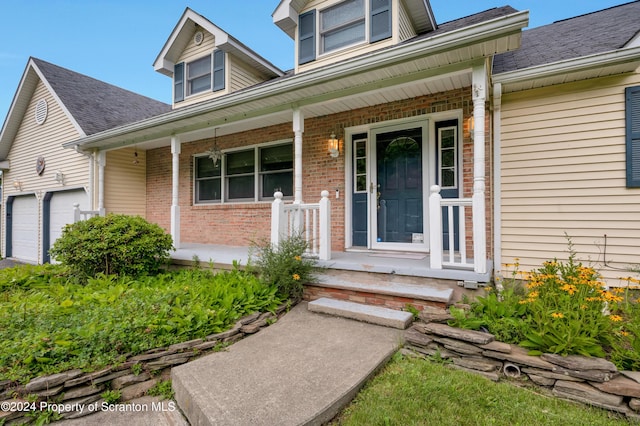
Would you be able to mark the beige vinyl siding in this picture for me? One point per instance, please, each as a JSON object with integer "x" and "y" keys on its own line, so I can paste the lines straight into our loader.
{"x": 405, "y": 29}
{"x": 349, "y": 52}
{"x": 125, "y": 182}
{"x": 242, "y": 75}
{"x": 33, "y": 140}
{"x": 563, "y": 172}
{"x": 193, "y": 52}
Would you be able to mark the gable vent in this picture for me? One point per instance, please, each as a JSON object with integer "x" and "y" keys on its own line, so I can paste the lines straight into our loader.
{"x": 41, "y": 111}
{"x": 198, "y": 37}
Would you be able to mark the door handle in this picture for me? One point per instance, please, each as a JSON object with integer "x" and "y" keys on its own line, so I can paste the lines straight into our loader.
{"x": 371, "y": 187}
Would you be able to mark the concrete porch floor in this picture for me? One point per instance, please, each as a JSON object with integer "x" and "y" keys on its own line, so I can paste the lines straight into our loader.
{"x": 410, "y": 264}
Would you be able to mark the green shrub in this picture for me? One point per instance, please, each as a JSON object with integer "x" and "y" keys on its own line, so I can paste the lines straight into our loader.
{"x": 285, "y": 266}
{"x": 113, "y": 244}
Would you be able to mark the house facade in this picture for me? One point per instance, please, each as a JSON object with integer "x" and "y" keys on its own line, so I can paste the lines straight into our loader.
{"x": 466, "y": 143}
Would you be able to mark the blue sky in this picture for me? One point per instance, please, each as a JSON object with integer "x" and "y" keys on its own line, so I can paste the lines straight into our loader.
{"x": 116, "y": 41}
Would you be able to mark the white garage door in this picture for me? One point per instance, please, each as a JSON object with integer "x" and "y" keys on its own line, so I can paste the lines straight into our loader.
{"x": 61, "y": 210}
{"x": 24, "y": 229}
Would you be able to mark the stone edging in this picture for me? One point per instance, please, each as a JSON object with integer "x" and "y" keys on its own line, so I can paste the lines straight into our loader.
{"x": 76, "y": 388}
{"x": 593, "y": 381}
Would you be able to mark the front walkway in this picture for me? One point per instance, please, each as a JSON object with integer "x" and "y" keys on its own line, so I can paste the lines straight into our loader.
{"x": 302, "y": 370}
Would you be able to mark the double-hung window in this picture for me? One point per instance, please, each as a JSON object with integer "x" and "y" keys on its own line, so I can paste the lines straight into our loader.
{"x": 199, "y": 75}
{"x": 345, "y": 24}
{"x": 253, "y": 174}
{"x": 202, "y": 75}
{"x": 342, "y": 25}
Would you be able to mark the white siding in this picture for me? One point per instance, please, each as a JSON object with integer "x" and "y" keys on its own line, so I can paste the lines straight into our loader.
{"x": 563, "y": 172}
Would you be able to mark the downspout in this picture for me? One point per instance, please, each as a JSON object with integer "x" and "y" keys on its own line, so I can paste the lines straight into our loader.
{"x": 497, "y": 181}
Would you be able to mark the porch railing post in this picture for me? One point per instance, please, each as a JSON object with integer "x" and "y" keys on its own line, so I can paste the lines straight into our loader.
{"x": 76, "y": 212}
{"x": 435, "y": 228}
{"x": 325, "y": 227}
{"x": 278, "y": 219}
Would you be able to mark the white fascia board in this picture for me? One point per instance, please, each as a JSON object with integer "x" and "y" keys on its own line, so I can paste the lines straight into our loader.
{"x": 597, "y": 61}
{"x": 402, "y": 53}
{"x": 286, "y": 18}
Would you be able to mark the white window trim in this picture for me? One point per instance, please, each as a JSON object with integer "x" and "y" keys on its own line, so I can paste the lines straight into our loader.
{"x": 223, "y": 183}
{"x": 364, "y": 42}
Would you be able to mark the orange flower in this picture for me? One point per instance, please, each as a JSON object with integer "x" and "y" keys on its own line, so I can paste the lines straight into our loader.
{"x": 296, "y": 277}
{"x": 615, "y": 318}
{"x": 557, "y": 315}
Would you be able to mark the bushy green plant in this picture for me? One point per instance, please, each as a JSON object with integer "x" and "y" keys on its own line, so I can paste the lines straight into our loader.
{"x": 111, "y": 396}
{"x": 625, "y": 350}
{"x": 163, "y": 389}
{"x": 285, "y": 266}
{"x": 113, "y": 244}
{"x": 49, "y": 324}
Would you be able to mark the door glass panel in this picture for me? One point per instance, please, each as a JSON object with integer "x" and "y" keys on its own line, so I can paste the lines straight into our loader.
{"x": 400, "y": 196}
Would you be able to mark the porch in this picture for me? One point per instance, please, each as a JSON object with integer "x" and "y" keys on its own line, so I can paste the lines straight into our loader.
{"x": 371, "y": 261}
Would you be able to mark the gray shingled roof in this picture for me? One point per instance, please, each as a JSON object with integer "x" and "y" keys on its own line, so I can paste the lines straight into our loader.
{"x": 476, "y": 18}
{"x": 597, "y": 32}
{"x": 95, "y": 105}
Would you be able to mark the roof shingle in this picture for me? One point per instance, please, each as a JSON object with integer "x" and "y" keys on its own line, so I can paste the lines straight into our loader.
{"x": 95, "y": 105}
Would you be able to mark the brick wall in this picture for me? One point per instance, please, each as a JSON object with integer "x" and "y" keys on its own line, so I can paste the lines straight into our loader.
{"x": 241, "y": 223}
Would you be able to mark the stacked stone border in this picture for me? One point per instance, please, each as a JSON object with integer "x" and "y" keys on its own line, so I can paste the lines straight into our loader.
{"x": 592, "y": 381}
{"x": 76, "y": 388}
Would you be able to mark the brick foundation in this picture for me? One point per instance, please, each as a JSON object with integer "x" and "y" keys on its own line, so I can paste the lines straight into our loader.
{"x": 312, "y": 293}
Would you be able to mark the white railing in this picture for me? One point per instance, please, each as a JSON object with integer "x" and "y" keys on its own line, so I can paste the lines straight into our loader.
{"x": 456, "y": 208}
{"x": 311, "y": 221}
{"x": 79, "y": 215}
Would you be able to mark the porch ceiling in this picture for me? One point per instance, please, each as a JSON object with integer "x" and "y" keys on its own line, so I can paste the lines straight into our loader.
{"x": 416, "y": 68}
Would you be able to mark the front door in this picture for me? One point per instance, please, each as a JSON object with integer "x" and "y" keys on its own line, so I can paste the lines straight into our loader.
{"x": 397, "y": 201}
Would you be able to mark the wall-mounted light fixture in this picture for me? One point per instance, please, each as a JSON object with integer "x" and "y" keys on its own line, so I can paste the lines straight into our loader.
{"x": 17, "y": 185}
{"x": 334, "y": 146}
{"x": 472, "y": 124}
{"x": 59, "y": 177}
{"x": 214, "y": 152}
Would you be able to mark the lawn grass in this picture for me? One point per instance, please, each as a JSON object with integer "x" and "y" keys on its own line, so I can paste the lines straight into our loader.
{"x": 49, "y": 323}
{"x": 412, "y": 391}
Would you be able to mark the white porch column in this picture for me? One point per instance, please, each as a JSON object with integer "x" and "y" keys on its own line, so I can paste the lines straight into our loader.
{"x": 175, "y": 182}
{"x": 102, "y": 162}
{"x": 479, "y": 216}
{"x": 298, "y": 130}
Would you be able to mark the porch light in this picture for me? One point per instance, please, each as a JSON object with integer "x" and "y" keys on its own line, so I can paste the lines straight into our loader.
{"x": 334, "y": 146}
{"x": 17, "y": 185}
{"x": 214, "y": 152}
{"x": 59, "y": 177}
{"x": 471, "y": 123}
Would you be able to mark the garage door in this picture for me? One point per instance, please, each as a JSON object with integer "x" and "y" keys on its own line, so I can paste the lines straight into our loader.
{"x": 59, "y": 207}
{"x": 24, "y": 228}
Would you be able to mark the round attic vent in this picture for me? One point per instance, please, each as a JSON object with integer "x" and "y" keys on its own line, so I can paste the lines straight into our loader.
{"x": 198, "y": 37}
{"x": 41, "y": 111}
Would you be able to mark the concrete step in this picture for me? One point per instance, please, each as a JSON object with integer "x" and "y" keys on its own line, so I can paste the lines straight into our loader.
{"x": 416, "y": 288}
{"x": 370, "y": 314}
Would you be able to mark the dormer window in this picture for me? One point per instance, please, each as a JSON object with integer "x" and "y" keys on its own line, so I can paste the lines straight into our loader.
{"x": 345, "y": 24}
{"x": 342, "y": 25}
{"x": 201, "y": 75}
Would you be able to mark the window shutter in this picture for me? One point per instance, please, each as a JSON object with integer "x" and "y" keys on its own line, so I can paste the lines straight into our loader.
{"x": 307, "y": 37}
{"x": 380, "y": 20}
{"x": 178, "y": 82}
{"x": 633, "y": 136}
{"x": 218, "y": 70}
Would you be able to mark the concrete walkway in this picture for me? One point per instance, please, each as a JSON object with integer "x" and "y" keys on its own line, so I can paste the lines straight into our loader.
{"x": 302, "y": 370}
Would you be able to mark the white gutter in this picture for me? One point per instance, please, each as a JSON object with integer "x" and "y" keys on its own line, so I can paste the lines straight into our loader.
{"x": 407, "y": 51}
{"x": 596, "y": 61}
